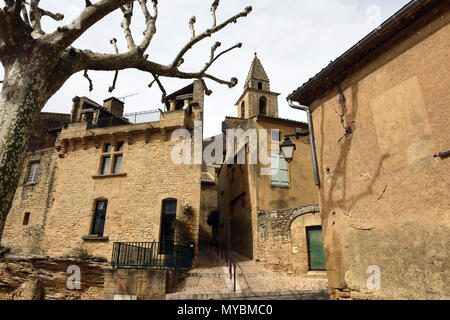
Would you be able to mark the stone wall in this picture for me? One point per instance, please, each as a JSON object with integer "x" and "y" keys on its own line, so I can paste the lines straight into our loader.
{"x": 135, "y": 197}
{"x": 44, "y": 278}
{"x": 282, "y": 243}
{"x": 135, "y": 284}
{"x": 34, "y": 198}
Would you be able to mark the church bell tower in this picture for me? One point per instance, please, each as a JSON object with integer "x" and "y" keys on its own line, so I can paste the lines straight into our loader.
{"x": 257, "y": 99}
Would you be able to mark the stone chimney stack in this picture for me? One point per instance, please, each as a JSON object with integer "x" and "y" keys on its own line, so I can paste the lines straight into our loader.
{"x": 114, "y": 106}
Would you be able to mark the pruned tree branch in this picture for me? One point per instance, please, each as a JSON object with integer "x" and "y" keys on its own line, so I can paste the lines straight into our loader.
{"x": 191, "y": 26}
{"x": 213, "y": 49}
{"x": 116, "y": 74}
{"x": 214, "y": 7}
{"x": 161, "y": 87}
{"x": 127, "y": 10}
{"x": 65, "y": 36}
{"x": 208, "y": 33}
{"x": 91, "y": 87}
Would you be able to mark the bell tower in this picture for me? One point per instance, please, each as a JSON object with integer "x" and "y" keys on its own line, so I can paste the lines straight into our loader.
{"x": 257, "y": 99}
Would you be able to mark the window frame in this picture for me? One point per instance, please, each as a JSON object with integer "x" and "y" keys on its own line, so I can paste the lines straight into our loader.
{"x": 35, "y": 173}
{"x": 112, "y": 150}
{"x": 282, "y": 183}
{"x": 95, "y": 218}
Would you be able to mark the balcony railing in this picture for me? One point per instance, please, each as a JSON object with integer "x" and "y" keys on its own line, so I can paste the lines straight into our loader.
{"x": 152, "y": 255}
{"x": 143, "y": 116}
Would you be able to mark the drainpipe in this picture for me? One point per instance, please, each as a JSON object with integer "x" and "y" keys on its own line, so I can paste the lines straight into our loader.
{"x": 311, "y": 137}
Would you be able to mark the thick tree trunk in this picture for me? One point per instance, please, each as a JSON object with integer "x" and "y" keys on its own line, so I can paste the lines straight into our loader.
{"x": 21, "y": 99}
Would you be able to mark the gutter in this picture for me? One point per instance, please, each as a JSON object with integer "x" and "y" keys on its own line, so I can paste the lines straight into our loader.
{"x": 311, "y": 138}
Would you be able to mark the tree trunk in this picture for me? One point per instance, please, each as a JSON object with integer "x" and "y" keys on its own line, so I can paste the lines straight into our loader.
{"x": 21, "y": 99}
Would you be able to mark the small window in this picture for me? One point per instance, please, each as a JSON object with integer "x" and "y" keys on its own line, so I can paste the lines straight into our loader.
{"x": 33, "y": 172}
{"x": 107, "y": 148}
{"x": 98, "y": 225}
{"x": 112, "y": 160}
{"x": 259, "y": 85}
{"x": 263, "y": 105}
{"x": 105, "y": 165}
{"x": 243, "y": 109}
{"x": 278, "y": 170}
{"x": 26, "y": 218}
{"x": 117, "y": 164}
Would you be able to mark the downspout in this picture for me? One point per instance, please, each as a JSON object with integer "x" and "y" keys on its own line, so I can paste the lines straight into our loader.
{"x": 311, "y": 138}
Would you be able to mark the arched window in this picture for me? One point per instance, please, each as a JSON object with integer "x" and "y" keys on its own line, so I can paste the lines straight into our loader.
{"x": 263, "y": 106}
{"x": 259, "y": 85}
{"x": 98, "y": 226}
{"x": 243, "y": 109}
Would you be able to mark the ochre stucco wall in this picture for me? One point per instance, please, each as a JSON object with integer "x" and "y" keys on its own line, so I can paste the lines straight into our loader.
{"x": 384, "y": 197}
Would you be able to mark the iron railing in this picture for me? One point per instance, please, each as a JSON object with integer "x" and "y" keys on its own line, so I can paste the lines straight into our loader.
{"x": 152, "y": 255}
{"x": 144, "y": 116}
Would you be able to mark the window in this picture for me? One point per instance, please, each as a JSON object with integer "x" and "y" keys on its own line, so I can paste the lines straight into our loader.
{"x": 260, "y": 85}
{"x": 243, "y": 109}
{"x": 99, "y": 218}
{"x": 279, "y": 170}
{"x": 33, "y": 172}
{"x": 112, "y": 157}
{"x": 26, "y": 218}
{"x": 263, "y": 105}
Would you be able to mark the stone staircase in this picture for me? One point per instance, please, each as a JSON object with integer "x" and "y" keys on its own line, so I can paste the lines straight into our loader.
{"x": 211, "y": 280}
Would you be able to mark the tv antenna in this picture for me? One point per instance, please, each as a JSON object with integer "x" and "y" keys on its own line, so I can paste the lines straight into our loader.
{"x": 127, "y": 96}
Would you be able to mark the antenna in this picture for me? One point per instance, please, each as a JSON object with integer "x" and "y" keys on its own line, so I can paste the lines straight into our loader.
{"x": 127, "y": 96}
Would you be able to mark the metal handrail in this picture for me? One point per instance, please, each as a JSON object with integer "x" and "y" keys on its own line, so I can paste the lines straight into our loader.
{"x": 163, "y": 255}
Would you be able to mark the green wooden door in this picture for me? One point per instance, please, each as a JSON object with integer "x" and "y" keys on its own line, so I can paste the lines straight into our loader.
{"x": 315, "y": 247}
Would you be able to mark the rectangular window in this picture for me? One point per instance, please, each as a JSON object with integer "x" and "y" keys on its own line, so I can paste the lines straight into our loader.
{"x": 117, "y": 164}
{"x": 33, "y": 172}
{"x": 99, "y": 218}
{"x": 26, "y": 218}
{"x": 105, "y": 165}
{"x": 279, "y": 170}
{"x": 112, "y": 158}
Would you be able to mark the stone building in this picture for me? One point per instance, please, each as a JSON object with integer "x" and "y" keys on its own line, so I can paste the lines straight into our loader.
{"x": 381, "y": 120}
{"x": 268, "y": 207}
{"x": 108, "y": 178}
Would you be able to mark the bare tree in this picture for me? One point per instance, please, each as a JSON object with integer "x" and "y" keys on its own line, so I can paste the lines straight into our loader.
{"x": 37, "y": 64}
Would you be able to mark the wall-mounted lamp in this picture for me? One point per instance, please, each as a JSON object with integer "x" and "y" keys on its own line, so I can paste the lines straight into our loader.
{"x": 288, "y": 147}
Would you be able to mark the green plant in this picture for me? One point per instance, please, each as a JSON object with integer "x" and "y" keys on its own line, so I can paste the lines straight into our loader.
{"x": 188, "y": 210}
{"x": 83, "y": 254}
{"x": 183, "y": 232}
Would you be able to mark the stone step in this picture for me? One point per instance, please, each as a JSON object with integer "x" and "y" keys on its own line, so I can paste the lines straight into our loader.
{"x": 299, "y": 295}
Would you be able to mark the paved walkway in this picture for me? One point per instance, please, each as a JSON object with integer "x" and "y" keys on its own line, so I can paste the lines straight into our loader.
{"x": 211, "y": 280}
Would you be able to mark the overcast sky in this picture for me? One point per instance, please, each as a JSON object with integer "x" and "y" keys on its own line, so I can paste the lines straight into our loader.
{"x": 294, "y": 40}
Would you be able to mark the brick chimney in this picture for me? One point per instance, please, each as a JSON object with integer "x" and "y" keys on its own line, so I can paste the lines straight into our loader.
{"x": 114, "y": 106}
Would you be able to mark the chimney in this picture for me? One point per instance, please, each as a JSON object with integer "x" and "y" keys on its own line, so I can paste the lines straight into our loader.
{"x": 114, "y": 105}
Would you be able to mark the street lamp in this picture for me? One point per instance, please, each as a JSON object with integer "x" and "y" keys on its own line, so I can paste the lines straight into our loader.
{"x": 288, "y": 147}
